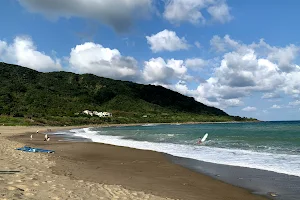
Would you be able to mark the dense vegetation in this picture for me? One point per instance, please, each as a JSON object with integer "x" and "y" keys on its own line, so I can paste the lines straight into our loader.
{"x": 31, "y": 97}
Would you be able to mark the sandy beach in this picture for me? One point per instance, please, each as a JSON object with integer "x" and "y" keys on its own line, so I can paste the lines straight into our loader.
{"x": 86, "y": 170}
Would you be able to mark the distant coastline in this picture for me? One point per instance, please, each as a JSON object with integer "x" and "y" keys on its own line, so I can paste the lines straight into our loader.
{"x": 13, "y": 121}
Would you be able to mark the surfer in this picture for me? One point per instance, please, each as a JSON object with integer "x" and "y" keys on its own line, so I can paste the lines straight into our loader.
{"x": 199, "y": 142}
{"x": 202, "y": 140}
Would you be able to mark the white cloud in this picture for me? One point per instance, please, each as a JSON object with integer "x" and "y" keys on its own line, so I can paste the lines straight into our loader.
{"x": 23, "y": 52}
{"x": 178, "y": 11}
{"x": 159, "y": 71}
{"x": 181, "y": 87}
{"x": 96, "y": 59}
{"x": 197, "y": 44}
{"x": 178, "y": 66}
{"x": 119, "y": 14}
{"x": 220, "y": 12}
{"x": 224, "y": 44}
{"x": 271, "y": 95}
{"x": 196, "y": 63}
{"x": 249, "y": 109}
{"x": 284, "y": 57}
{"x": 166, "y": 41}
{"x": 246, "y": 69}
{"x": 276, "y": 106}
{"x": 295, "y": 103}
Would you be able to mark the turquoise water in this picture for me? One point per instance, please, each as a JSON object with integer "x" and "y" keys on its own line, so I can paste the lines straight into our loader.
{"x": 273, "y": 146}
{"x": 275, "y": 137}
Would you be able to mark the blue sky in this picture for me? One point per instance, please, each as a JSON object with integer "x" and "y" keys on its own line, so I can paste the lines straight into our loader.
{"x": 240, "y": 56}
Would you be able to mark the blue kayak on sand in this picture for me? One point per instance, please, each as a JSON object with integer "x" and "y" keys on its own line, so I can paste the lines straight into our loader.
{"x": 30, "y": 149}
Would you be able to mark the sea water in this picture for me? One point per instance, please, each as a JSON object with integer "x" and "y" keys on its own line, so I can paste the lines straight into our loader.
{"x": 272, "y": 146}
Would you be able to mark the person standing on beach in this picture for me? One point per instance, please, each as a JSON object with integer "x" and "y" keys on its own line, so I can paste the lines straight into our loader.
{"x": 47, "y": 138}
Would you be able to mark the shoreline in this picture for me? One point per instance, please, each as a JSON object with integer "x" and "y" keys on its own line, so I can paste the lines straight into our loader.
{"x": 139, "y": 170}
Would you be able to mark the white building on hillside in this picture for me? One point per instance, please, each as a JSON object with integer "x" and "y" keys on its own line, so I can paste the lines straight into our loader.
{"x": 96, "y": 113}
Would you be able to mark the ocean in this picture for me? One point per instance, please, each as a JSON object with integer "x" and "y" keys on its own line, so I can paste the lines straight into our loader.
{"x": 270, "y": 146}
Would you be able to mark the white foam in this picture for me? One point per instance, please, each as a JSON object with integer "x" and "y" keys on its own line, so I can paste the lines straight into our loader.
{"x": 149, "y": 125}
{"x": 281, "y": 163}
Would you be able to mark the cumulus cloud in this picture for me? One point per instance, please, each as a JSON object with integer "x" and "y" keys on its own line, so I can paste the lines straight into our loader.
{"x": 23, "y": 52}
{"x": 166, "y": 41}
{"x": 178, "y": 11}
{"x": 220, "y": 12}
{"x": 96, "y": 59}
{"x": 245, "y": 69}
{"x": 182, "y": 88}
{"x": 159, "y": 71}
{"x": 224, "y": 44}
{"x": 196, "y": 63}
{"x": 249, "y": 109}
{"x": 120, "y": 14}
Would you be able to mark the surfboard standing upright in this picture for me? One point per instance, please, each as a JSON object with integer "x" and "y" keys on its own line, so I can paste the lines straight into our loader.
{"x": 204, "y": 138}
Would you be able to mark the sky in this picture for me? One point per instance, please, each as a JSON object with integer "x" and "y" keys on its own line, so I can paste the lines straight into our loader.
{"x": 240, "y": 56}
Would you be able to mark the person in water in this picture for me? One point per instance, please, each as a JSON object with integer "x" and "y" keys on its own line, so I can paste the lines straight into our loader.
{"x": 199, "y": 142}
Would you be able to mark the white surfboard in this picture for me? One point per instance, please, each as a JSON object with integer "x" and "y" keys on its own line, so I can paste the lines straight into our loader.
{"x": 204, "y": 137}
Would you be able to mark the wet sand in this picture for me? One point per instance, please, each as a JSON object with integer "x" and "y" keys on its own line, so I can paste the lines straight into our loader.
{"x": 136, "y": 171}
{"x": 276, "y": 185}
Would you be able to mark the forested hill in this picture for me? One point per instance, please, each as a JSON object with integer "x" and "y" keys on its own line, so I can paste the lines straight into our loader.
{"x": 48, "y": 97}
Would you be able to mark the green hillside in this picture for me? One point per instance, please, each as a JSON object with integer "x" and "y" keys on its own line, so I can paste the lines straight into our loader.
{"x": 54, "y": 98}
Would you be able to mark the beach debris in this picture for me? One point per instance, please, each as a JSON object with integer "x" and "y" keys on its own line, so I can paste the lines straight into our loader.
{"x": 8, "y": 172}
{"x": 31, "y": 137}
{"x": 218, "y": 175}
{"x": 37, "y": 131}
{"x": 273, "y": 194}
{"x": 30, "y": 149}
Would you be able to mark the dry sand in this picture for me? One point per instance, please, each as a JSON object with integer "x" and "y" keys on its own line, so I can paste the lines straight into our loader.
{"x": 80, "y": 170}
